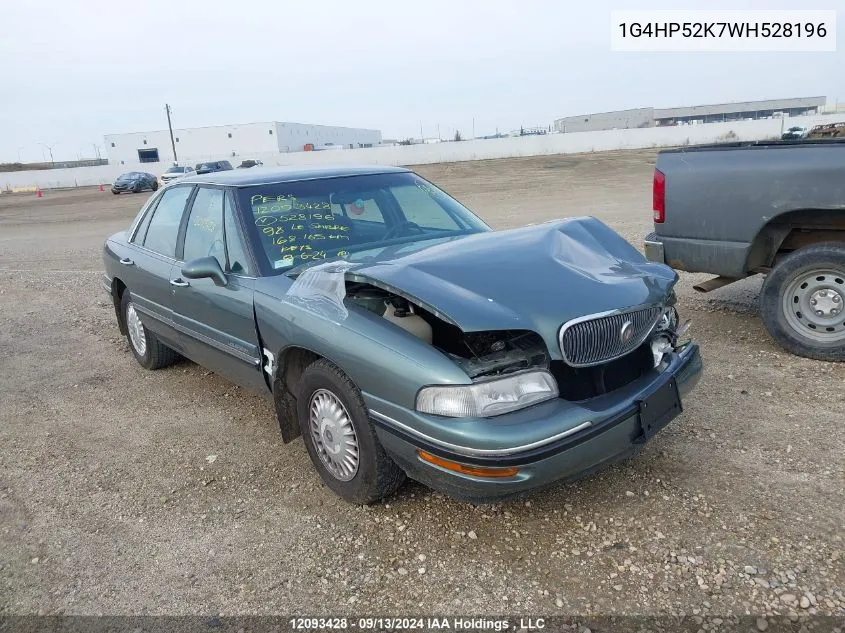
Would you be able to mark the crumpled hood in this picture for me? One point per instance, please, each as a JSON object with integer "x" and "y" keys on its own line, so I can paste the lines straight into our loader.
{"x": 533, "y": 278}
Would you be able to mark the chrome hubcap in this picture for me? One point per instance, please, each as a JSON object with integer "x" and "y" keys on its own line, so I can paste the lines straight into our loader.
{"x": 813, "y": 305}
{"x": 136, "y": 330}
{"x": 333, "y": 435}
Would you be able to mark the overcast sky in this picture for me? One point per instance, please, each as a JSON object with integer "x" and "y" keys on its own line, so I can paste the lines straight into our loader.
{"x": 74, "y": 71}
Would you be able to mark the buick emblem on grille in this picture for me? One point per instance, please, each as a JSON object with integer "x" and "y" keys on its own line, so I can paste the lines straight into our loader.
{"x": 599, "y": 338}
{"x": 626, "y": 332}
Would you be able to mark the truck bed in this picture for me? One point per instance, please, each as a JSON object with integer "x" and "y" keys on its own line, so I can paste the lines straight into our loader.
{"x": 752, "y": 144}
{"x": 729, "y": 207}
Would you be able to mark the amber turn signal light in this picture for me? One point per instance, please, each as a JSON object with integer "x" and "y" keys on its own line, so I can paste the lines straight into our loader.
{"x": 475, "y": 471}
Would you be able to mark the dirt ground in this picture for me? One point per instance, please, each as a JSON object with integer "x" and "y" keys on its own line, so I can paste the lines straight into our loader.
{"x": 110, "y": 501}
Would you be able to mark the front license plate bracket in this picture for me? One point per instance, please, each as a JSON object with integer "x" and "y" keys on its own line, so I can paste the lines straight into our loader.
{"x": 658, "y": 409}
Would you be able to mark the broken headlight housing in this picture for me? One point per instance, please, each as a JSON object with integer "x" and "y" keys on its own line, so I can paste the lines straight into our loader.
{"x": 668, "y": 320}
{"x": 667, "y": 334}
{"x": 489, "y": 397}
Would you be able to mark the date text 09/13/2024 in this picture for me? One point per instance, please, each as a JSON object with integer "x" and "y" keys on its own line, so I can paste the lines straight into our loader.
{"x": 455, "y": 623}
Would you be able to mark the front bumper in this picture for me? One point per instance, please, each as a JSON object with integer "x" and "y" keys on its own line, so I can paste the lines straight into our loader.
{"x": 588, "y": 437}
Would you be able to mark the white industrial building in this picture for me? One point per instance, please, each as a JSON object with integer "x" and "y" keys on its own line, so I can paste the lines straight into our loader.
{"x": 232, "y": 142}
{"x": 715, "y": 113}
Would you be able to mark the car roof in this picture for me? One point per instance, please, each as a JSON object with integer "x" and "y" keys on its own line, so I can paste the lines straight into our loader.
{"x": 268, "y": 175}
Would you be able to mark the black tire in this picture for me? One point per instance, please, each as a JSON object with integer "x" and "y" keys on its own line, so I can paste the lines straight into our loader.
{"x": 803, "y": 334}
{"x": 156, "y": 354}
{"x": 377, "y": 475}
{"x": 155, "y": 186}
{"x": 117, "y": 193}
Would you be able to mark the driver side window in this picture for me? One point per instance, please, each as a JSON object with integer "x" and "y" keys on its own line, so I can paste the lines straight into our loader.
{"x": 204, "y": 234}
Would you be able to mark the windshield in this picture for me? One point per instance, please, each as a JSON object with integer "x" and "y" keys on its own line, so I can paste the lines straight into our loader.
{"x": 202, "y": 166}
{"x": 176, "y": 170}
{"x": 301, "y": 222}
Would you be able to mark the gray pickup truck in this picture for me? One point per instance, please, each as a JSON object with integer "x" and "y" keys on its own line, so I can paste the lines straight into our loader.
{"x": 774, "y": 208}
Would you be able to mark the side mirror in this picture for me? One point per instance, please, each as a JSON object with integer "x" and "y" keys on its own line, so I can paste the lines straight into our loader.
{"x": 205, "y": 267}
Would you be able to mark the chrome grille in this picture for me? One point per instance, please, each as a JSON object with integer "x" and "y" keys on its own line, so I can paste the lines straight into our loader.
{"x": 597, "y": 338}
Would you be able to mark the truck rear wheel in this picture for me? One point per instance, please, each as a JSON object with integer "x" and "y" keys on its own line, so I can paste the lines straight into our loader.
{"x": 803, "y": 302}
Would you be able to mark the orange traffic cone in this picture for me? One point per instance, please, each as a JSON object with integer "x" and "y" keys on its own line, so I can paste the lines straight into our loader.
{"x": 101, "y": 188}
{"x": 39, "y": 194}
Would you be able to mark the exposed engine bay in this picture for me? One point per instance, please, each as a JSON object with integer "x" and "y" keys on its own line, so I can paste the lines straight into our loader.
{"x": 477, "y": 353}
{"x": 495, "y": 353}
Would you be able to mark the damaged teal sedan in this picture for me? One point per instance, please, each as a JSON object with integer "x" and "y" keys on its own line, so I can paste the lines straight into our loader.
{"x": 401, "y": 336}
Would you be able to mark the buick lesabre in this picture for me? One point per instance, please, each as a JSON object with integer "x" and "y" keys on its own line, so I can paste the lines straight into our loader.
{"x": 400, "y": 335}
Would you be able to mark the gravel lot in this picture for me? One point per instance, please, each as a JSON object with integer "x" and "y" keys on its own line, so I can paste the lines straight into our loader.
{"x": 131, "y": 492}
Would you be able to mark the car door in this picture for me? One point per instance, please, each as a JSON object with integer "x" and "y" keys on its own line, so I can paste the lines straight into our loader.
{"x": 217, "y": 322}
{"x": 147, "y": 264}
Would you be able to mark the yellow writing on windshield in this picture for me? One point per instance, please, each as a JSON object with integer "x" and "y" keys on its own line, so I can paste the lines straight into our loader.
{"x": 300, "y": 229}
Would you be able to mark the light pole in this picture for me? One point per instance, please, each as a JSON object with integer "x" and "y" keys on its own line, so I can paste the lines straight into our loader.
{"x": 170, "y": 127}
{"x": 19, "y": 152}
{"x": 49, "y": 149}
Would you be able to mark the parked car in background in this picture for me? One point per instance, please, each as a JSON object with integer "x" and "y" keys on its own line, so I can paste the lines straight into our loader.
{"x": 399, "y": 334}
{"x": 774, "y": 208}
{"x": 828, "y": 130}
{"x": 134, "y": 182}
{"x": 176, "y": 172}
{"x": 794, "y": 133}
{"x": 250, "y": 163}
{"x": 216, "y": 165}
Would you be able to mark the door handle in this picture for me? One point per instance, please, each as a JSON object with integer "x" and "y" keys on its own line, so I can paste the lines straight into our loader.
{"x": 181, "y": 283}
{"x": 127, "y": 262}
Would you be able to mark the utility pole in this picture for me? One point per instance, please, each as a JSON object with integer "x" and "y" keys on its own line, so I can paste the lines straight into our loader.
{"x": 422, "y": 138}
{"x": 170, "y": 127}
{"x": 473, "y": 127}
{"x": 49, "y": 149}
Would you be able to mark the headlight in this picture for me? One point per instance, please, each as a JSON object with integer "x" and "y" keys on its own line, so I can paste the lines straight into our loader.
{"x": 488, "y": 398}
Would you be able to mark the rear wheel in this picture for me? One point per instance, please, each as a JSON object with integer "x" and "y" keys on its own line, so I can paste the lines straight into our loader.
{"x": 146, "y": 348}
{"x": 339, "y": 437}
{"x": 803, "y": 302}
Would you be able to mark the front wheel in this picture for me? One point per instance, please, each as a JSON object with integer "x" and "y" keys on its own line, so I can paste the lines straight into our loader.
{"x": 803, "y": 302}
{"x": 155, "y": 186}
{"x": 340, "y": 439}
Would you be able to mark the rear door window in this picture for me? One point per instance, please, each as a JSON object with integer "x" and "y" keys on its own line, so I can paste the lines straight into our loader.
{"x": 163, "y": 230}
{"x": 146, "y": 216}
